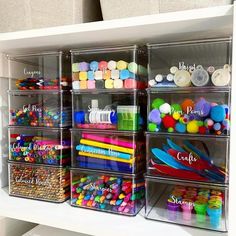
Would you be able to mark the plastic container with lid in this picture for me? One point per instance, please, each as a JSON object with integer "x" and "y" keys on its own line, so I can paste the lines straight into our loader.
{"x": 49, "y": 146}
{"x": 107, "y": 192}
{"x": 39, "y": 182}
{"x": 40, "y": 71}
{"x": 121, "y": 67}
{"x": 40, "y": 108}
{"x": 120, "y": 110}
{"x": 187, "y": 203}
{"x": 111, "y": 150}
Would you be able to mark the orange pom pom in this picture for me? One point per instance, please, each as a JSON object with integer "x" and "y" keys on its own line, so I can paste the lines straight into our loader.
{"x": 187, "y": 105}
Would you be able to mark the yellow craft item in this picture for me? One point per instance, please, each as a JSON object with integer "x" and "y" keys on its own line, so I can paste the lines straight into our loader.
{"x": 99, "y": 156}
{"x": 107, "y": 146}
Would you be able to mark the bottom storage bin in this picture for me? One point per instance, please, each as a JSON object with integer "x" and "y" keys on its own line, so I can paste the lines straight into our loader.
{"x": 187, "y": 203}
{"x": 40, "y": 182}
{"x": 108, "y": 192}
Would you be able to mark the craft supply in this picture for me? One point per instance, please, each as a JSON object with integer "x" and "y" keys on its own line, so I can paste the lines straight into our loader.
{"x": 214, "y": 213}
{"x": 40, "y": 150}
{"x": 115, "y": 74}
{"x": 121, "y": 65}
{"x": 109, "y": 84}
{"x": 98, "y": 75}
{"x": 118, "y": 83}
{"x": 100, "y": 84}
{"x": 130, "y": 84}
{"x": 39, "y": 182}
{"x": 83, "y": 75}
{"x": 91, "y": 84}
{"x": 187, "y": 207}
{"x": 200, "y": 77}
{"x": 182, "y": 78}
{"x": 76, "y": 85}
{"x": 111, "y": 65}
{"x": 158, "y": 78}
{"x": 107, "y": 192}
{"x": 221, "y": 77}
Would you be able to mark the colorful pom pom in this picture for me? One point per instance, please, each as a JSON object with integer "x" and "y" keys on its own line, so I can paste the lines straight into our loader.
{"x": 155, "y": 116}
{"x": 180, "y": 127}
{"x": 165, "y": 108}
{"x": 152, "y": 127}
{"x": 157, "y": 103}
{"x": 202, "y": 107}
{"x": 170, "y": 130}
{"x": 209, "y": 123}
{"x": 168, "y": 121}
{"x": 218, "y": 113}
{"x": 187, "y": 105}
{"x": 192, "y": 127}
{"x": 202, "y": 130}
{"x": 217, "y": 126}
{"x": 176, "y": 115}
{"x": 176, "y": 108}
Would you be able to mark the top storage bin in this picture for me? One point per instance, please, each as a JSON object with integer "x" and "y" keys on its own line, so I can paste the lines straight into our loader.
{"x": 194, "y": 63}
{"x": 43, "y": 71}
{"x": 109, "y": 68}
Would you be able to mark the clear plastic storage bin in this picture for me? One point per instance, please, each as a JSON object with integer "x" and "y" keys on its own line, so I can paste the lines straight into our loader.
{"x": 109, "y": 68}
{"x": 110, "y": 150}
{"x": 196, "y": 158}
{"x": 187, "y": 203}
{"x": 42, "y": 71}
{"x": 39, "y": 182}
{"x": 107, "y": 192}
{"x": 194, "y": 63}
{"x": 49, "y": 146}
{"x": 104, "y": 109}
{"x": 40, "y": 108}
{"x": 193, "y": 111}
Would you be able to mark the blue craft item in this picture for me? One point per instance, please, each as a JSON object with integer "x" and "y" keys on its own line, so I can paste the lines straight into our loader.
{"x": 202, "y": 107}
{"x": 217, "y": 126}
{"x": 218, "y": 113}
{"x": 174, "y": 146}
{"x": 93, "y": 65}
{"x": 101, "y": 151}
{"x": 155, "y": 116}
{"x": 124, "y": 74}
{"x": 90, "y": 75}
{"x": 79, "y": 117}
{"x": 180, "y": 128}
{"x": 226, "y": 107}
{"x": 113, "y": 117}
{"x": 215, "y": 216}
{"x": 165, "y": 147}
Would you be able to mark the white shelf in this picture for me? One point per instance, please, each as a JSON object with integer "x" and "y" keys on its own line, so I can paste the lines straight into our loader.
{"x": 199, "y": 23}
{"x": 90, "y": 222}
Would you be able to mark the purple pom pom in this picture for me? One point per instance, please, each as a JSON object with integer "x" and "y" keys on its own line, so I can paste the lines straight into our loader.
{"x": 155, "y": 116}
{"x": 202, "y": 107}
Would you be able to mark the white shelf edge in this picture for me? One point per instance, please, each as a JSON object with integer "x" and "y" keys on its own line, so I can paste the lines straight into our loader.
{"x": 206, "y": 21}
{"x": 86, "y": 221}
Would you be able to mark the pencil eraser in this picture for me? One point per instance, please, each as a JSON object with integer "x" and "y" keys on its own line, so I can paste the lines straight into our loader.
{"x": 102, "y": 65}
{"x": 91, "y": 84}
{"x": 106, "y": 74}
{"x": 100, "y": 84}
{"x": 83, "y": 66}
{"x": 130, "y": 84}
{"x": 98, "y": 75}
{"x": 90, "y": 75}
{"x": 83, "y": 84}
{"x": 75, "y": 67}
{"x": 75, "y": 76}
{"x": 83, "y": 75}
{"x": 115, "y": 74}
{"x": 76, "y": 85}
{"x": 118, "y": 83}
{"x": 111, "y": 65}
{"x": 93, "y": 65}
{"x": 109, "y": 83}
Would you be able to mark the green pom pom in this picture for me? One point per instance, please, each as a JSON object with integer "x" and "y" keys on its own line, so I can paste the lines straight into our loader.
{"x": 200, "y": 123}
{"x": 152, "y": 127}
{"x": 156, "y": 103}
{"x": 170, "y": 130}
{"x": 176, "y": 108}
{"x": 162, "y": 115}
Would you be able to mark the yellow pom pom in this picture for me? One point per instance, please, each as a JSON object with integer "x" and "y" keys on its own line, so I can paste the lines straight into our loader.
{"x": 192, "y": 127}
{"x": 176, "y": 115}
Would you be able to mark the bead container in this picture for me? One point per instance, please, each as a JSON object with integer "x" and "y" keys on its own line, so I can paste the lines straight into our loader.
{"x": 40, "y": 108}
{"x": 42, "y": 71}
{"x": 39, "y": 182}
{"x": 107, "y": 192}
{"x": 49, "y": 146}
{"x": 111, "y": 151}
{"x": 109, "y": 68}
{"x": 197, "y": 158}
{"x": 205, "y": 63}
{"x": 110, "y": 110}
{"x": 187, "y": 203}
{"x": 193, "y": 111}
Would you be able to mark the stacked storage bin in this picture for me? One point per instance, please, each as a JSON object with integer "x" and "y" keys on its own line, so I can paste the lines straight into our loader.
{"x": 109, "y": 110}
{"x": 188, "y": 133}
{"x": 39, "y": 116}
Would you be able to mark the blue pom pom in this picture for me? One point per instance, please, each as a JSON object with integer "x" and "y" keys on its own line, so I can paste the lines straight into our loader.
{"x": 217, "y": 126}
{"x": 180, "y": 128}
{"x": 218, "y": 113}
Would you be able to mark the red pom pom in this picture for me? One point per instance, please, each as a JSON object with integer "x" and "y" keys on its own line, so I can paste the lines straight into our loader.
{"x": 202, "y": 130}
{"x": 169, "y": 121}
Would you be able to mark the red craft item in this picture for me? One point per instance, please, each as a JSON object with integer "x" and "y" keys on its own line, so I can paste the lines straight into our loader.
{"x": 169, "y": 122}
